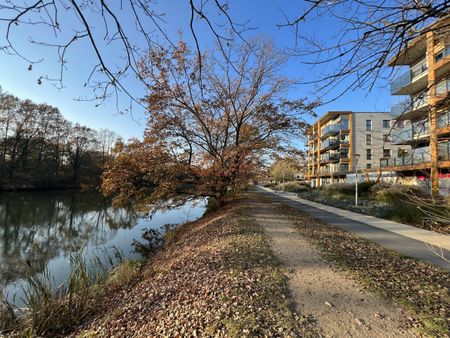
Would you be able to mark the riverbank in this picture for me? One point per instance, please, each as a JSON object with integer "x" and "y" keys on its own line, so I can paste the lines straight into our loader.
{"x": 216, "y": 276}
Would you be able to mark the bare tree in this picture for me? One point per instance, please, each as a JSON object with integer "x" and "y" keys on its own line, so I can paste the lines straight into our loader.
{"x": 367, "y": 35}
{"x": 116, "y": 32}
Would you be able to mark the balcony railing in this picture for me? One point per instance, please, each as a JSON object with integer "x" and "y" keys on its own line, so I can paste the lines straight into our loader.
{"x": 443, "y": 121}
{"x": 330, "y": 157}
{"x": 443, "y": 87}
{"x": 419, "y": 155}
{"x": 344, "y": 124}
{"x": 335, "y": 169}
{"x": 409, "y": 105}
{"x": 400, "y": 136}
{"x": 329, "y": 143}
{"x": 341, "y": 168}
{"x": 409, "y": 76}
{"x": 330, "y": 129}
{"x": 444, "y": 151}
{"x": 420, "y": 132}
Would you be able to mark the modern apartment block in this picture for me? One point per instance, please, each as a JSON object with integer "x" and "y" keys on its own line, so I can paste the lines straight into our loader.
{"x": 336, "y": 137}
{"x": 423, "y": 118}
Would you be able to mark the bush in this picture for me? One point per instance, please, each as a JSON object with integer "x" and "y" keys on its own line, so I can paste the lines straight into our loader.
{"x": 402, "y": 201}
{"x": 349, "y": 188}
{"x": 340, "y": 188}
{"x": 271, "y": 185}
{"x": 292, "y": 187}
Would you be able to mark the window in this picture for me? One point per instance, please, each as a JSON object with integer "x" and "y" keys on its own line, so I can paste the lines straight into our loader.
{"x": 368, "y": 154}
{"x": 386, "y": 138}
{"x": 386, "y": 123}
{"x": 386, "y": 152}
{"x": 369, "y": 165}
{"x": 368, "y": 139}
{"x": 368, "y": 124}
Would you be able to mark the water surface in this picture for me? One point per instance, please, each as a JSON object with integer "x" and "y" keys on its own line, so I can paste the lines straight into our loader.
{"x": 48, "y": 226}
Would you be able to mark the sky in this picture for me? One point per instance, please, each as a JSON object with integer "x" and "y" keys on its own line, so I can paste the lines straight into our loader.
{"x": 16, "y": 79}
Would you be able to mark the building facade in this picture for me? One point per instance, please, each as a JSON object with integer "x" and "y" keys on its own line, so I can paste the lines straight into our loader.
{"x": 335, "y": 138}
{"x": 423, "y": 116}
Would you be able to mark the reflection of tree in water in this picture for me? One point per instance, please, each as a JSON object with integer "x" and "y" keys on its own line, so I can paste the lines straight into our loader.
{"x": 41, "y": 225}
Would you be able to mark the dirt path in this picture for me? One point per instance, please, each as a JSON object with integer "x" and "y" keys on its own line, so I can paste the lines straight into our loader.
{"x": 339, "y": 306}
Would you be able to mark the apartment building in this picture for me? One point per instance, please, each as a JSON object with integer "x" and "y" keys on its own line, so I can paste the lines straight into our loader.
{"x": 423, "y": 116}
{"x": 335, "y": 138}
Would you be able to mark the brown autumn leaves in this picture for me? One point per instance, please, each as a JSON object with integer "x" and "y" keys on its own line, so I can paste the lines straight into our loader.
{"x": 212, "y": 122}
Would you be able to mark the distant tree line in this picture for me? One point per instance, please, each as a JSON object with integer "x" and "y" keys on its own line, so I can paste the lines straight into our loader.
{"x": 40, "y": 148}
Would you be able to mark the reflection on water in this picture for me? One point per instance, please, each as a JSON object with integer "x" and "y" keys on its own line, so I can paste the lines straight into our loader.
{"x": 48, "y": 226}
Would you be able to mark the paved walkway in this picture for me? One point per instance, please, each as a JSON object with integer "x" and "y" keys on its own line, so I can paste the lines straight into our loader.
{"x": 407, "y": 240}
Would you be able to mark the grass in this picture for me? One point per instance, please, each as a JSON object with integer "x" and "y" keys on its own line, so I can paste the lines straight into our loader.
{"x": 419, "y": 288}
{"x": 55, "y": 311}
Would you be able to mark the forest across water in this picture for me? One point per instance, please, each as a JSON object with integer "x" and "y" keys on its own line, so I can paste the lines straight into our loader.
{"x": 40, "y": 149}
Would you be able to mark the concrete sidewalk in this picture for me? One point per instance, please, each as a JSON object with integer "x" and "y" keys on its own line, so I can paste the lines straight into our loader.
{"x": 407, "y": 240}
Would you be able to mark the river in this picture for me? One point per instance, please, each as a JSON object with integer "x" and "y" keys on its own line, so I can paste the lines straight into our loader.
{"x": 41, "y": 229}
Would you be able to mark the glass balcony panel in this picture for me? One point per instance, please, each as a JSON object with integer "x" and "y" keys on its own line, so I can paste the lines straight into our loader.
{"x": 444, "y": 151}
{"x": 409, "y": 76}
{"x": 402, "y": 135}
{"x": 328, "y": 143}
{"x": 401, "y": 81}
{"x": 401, "y": 107}
{"x": 409, "y": 105}
{"x": 419, "y": 69}
{"x": 443, "y": 87}
{"x": 444, "y": 120}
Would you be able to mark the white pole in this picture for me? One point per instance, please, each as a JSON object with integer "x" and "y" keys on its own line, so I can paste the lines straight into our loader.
{"x": 356, "y": 187}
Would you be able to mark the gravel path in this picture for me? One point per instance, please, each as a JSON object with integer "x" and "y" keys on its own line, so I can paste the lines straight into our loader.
{"x": 339, "y": 306}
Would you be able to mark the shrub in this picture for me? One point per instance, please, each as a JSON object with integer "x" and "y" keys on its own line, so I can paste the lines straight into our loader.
{"x": 292, "y": 187}
{"x": 340, "y": 188}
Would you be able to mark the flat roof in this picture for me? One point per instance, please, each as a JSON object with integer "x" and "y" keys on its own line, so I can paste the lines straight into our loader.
{"x": 417, "y": 46}
{"x": 333, "y": 113}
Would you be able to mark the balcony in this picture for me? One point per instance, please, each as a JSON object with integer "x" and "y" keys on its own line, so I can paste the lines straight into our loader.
{"x": 337, "y": 169}
{"x": 402, "y": 136}
{"x": 330, "y": 157}
{"x": 441, "y": 60}
{"x": 341, "y": 168}
{"x": 410, "y": 135}
{"x": 401, "y": 110}
{"x": 418, "y": 155}
{"x": 443, "y": 121}
{"x": 421, "y": 132}
{"x": 329, "y": 144}
{"x": 411, "y": 80}
{"x": 443, "y": 87}
{"x": 331, "y": 129}
{"x": 444, "y": 151}
{"x": 344, "y": 125}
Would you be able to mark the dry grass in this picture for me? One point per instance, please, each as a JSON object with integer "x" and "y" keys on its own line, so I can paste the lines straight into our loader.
{"x": 216, "y": 276}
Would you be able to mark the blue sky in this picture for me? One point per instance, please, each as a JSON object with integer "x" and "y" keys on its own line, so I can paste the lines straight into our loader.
{"x": 264, "y": 17}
